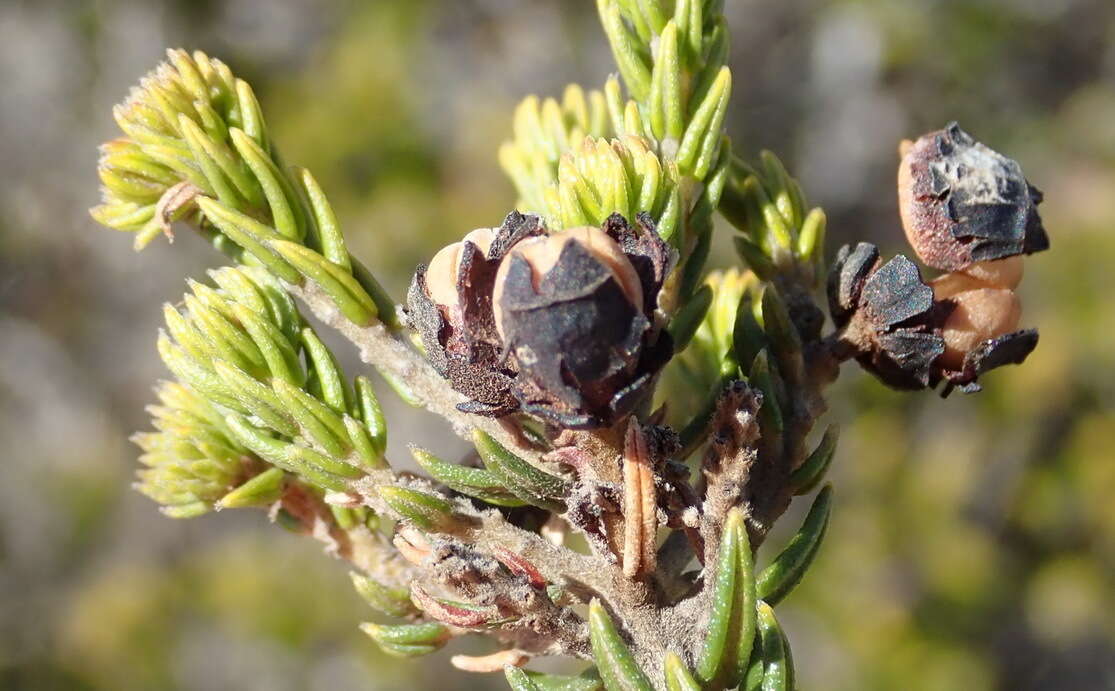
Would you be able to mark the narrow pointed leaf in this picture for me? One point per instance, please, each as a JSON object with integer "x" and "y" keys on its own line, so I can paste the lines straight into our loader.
{"x": 329, "y": 376}
{"x": 249, "y": 234}
{"x": 689, "y": 317}
{"x": 771, "y": 650}
{"x": 589, "y": 680}
{"x": 614, "y": 660}
{"x": 810, "y": 473}
{"x": 474, "y": 482}
{"x": 407, "y": 640}
{"x": 261, "y": 490}
{"x": 341, "y": 287}
{"x": 786, "y": 570}
{"x": 393, "y": 602}
{"x": 329, "y": 232}
{"x": 748, "y": 338}
{"x": 371, "y": 413}
{"x": 678, "y": 676}
{"x": 276, "y": 188}
{"x": 518, "y": 680}
{"x": 731, "y": 627}
{"x": 421, "y": 508}
{"x": 523, "y": 479}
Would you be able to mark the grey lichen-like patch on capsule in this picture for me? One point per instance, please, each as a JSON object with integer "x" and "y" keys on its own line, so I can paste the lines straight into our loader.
{"x": 963, "y": 202}
{"x": 895, "y": 293}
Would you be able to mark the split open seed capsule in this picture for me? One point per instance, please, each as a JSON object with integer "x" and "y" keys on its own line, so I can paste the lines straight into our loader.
{"x": 962, "y": 202}
{"x": 562, "y": 325}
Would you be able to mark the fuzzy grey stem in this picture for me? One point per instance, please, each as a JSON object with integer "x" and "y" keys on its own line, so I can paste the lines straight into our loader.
{"x": 389, "y": 352}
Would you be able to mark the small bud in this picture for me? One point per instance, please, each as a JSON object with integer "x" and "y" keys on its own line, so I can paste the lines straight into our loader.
{"x": 496, "y": 662}
{"x": 412, "y": 545}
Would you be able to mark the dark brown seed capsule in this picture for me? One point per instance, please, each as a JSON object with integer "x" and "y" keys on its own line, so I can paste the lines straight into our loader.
{"x": 914, "y": 335}
{"x": 450, "y": 305}
{"x": 578, "y": 318}
{"x": 562, "y": 325}
{"x": 961, "y": 202}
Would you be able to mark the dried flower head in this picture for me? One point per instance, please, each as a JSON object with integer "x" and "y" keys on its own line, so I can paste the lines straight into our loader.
{"x": 961, "y": 202}
{"x": 969, "y": 211}
{"x": 914, "y": 335}
{"x": 450, "y": 305}
{"x": 562, "y": 324}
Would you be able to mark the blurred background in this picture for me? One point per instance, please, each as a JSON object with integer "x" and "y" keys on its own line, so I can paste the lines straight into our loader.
{"x": 973, "y": 542}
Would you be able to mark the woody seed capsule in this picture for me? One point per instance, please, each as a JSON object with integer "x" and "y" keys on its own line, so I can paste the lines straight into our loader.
{"x": 562, "y": 325}
{"x": 962, "y": 202}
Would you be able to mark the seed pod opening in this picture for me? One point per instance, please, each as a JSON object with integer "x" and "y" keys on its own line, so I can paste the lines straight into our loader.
{"x": 563, "y": 325}
{"x": 449, "y": 303}
{"x": 445, "y": 267}
{"x": 962, "y": 202}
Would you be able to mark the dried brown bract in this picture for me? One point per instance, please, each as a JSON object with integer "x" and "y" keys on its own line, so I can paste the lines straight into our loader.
{"x": 888, "y": 312}
{"x": 562, "y": 325}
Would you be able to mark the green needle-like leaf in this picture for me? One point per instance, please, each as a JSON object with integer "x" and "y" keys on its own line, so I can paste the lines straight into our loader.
{"x": 425, "y": 510}
{"x": 371, "y": 413}
{"x": 261, "y": 490}
{"x": 695, "y": 152}
{"x": 678, "y": 676}
{"x": 525, "y": 481}
{"x": 763, "y": 377}
{"x": 393, "y": 602}
{"x": 812, "y": 471}
{"x": 786, "y": 570}
{"x": 407, "y": 640}
{"x": 776, "y": 676}
{"x": 329, "y": 232}
{"x": 785, "y": 341}
{"x": 329, "y": 378}
{"x": 586, "y": 681}
{"x": 518, "y": 680}
{"x": 249, "y": 234}
{"x": 636, "y": 74}
{"x": 285, "y": 211}
{"x": 474, "y": 482}
{"x": 341, "y": 287}
{"x": 614, "y": 660}
{"x": 689, "y": 317}
{"x": 315, "y": 420}
{"x": 731, "y": 626}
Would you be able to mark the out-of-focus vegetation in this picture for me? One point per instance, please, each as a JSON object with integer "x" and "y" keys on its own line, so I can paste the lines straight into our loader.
{"x": 973, "y": 541}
